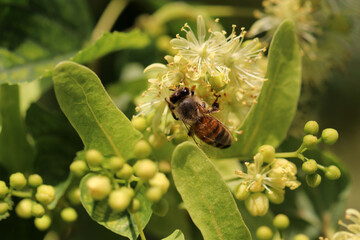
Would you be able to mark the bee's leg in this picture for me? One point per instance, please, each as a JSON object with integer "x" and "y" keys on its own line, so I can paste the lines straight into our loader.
{"x": 215, "y": 105}
{"x": 193, "y": 90}
{"x": 172, "y": 108}
{"x": 191, "y": 134}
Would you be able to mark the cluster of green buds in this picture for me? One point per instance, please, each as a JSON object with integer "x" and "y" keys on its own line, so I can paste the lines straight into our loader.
{"x": 114, "y": 178}
{"x": 267, "y": 177}
{"x": 215, "y": 63}
{"x": 36, "y": 198}
{"x": 280, "y": 222}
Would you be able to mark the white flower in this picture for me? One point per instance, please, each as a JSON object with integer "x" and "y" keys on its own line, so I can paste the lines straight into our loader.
{"x": 353, "y": 228}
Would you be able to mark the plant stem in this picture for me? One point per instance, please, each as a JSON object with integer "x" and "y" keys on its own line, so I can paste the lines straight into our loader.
{"x": 137, "y": 220}
{"x": 21, "y": 194}
{"x": 287, "y": 155}
{"x": 108, "y": 18}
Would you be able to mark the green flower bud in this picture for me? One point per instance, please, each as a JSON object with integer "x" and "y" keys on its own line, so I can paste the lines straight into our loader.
{"x": 17, "y": 180}
{"x": 310, "y": 141}
{"x": 154, "y": 194}
{"x": 281, "y": 221}
{"x": 301, "y": 237}
{"x": 313, "y": 180}
{"x": 42, "y": 223}
{"x": 241, "y": 192}
{"x": 68, "y": 214}
{"x": 164, "y": 166}
{"x": 275, "y": 196}
{"x": 74, "y": 196}
{"x": 161, "y": 207}
{"x": 311, "y": 127}
{"x": 45, "y": 194}
{"x": 3, "y": 189}
{"x": 35, "y": 180}
{"x": 160, "y": 180}
{"x": 257, "y": 204}
{"x": 264, "y": 233}
{"x": 268, "y": 153}
{"x": 37, "y": 210}
{"x": 79, "y": 168}
{"x": 142, "y": 149}
{"x": 125, "y": 172}
{"x": 23, "y": 208}
{"x": 98, "y": 187}
{"x": 116, "y": 163}
{"x": 119, "y": 199}
{"x": 51, "y": 235}
{"x": 94, "y": 158}
{"x": 139, "y": 123}
{"x": 329, "y": 136}
{"x": 310, "y": 166}
{"x": 217, "y": 82}
{"x": 157, "y": 140}
{"x": 4, "y": 207}
{"x": 145, "y": 169}
{"x": 332, "y": 172}
{"x": 134, "y": 205}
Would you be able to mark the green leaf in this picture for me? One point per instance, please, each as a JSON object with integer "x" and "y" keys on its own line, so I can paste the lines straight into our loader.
{"x": 100, "y": 124}
{"x": 38, "y": 35}
{"x": 60, "y": 190}
{"x": 122, "y": 223}
{"x": 269, "y": 120}
{"x": 110, "y": 42}
{"x": 176, "y": 235}
{"x": 16, "y": 154}
{"x": 206, "y": 196}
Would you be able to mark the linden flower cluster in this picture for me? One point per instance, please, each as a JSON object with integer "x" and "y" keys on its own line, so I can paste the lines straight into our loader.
{"x": 215, "y": 63}
{"x": 327, "y": 31}
{"x": 264, "y": 180}
{"x": 353, "y": 228}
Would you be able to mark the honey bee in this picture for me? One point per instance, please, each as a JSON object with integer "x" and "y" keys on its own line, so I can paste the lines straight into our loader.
{"x": 196, "y": 117}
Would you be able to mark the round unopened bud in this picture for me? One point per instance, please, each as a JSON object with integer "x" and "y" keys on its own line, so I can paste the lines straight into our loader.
{"x": 23, "y": 208}
{"x": 3, "y": 189}
{"x": 311, "y": 127}
{"x": 257, "y": 204}
{"x": 164, "y": 166}
{"x": 154, "y": 194}
{"x": 125, "y": 172}
{"x": 79, "y": 168}
{"x": 332, "y": 172}
{"x": 241, "y": 192}
{"x": 68, "y": 214}
{"x": 160, "y": 180}
{"x": 264, "y": 233}
{"x": 35, "y": 180}
{"x": 281, "y": 221}
{"x": 42, "y": 223}
{"x": 268, "y": 153}
{"x": 313, "y": 180}
{"x": 217, "y": 82}
{"x": 17, "y": 180}
{"x": 301, "y": 237}
{"x": 98, "y": 187}
{"x": 157, "y": 140}
{"x": 119, "y": 199}
{"x": 37, "y": 210}
{"x": 142, "y": 149}
{"x": 275, "y": 196}
{"x": 94, "y": 158}
{"x": 145, "y": 169}
{"x": 329, "y": 136}
{"x": 134, "y": 205}
{"x": 4, "y": 207}
{"x": 160, "y": 207}
{"x": 116, "y": 163}
{"x": 45, "y": 194}
{"x": 310, "y": 141}
{"x": 139, "y": 123}
{"x": 310, "y": 166}
{"x": 74, "y": 196}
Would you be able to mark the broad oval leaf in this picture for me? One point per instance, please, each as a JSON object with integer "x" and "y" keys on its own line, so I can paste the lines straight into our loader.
{"x": 269, "y": 120}
{"x": 122, "y": 223}
{"x": 176, "y": 235}
{"x": 90, "y": 110}
{"x": 206, "y": 196}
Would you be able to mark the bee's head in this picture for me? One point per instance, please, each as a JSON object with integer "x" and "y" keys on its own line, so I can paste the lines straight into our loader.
{"x": 179, "y": 94}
